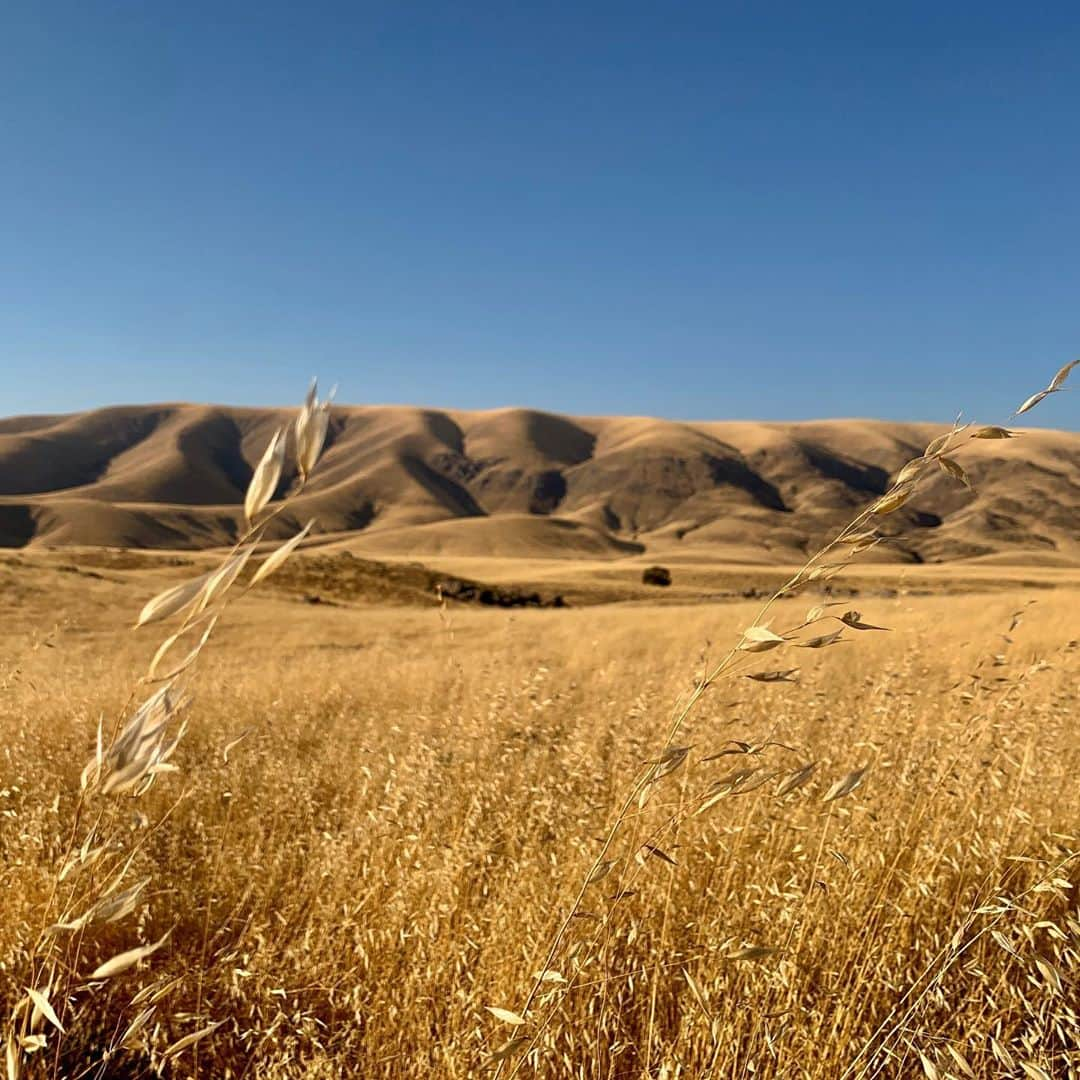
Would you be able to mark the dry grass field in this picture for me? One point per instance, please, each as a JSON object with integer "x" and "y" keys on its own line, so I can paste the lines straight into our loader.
{"x": 383, "y": 812}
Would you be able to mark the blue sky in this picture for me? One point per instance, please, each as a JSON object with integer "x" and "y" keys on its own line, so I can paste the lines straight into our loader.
{"x": 770, "y": 210}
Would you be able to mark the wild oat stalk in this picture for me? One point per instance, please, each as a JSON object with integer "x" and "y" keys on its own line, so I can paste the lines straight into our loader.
{"x": 858, "y": 536}
{"x": 92, "y": 885}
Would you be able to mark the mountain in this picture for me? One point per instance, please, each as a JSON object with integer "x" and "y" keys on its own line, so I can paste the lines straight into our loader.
{"x": 518, "y": 482}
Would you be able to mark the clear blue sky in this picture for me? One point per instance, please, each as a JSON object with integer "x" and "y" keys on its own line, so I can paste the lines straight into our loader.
{"x": 696, "y": 210}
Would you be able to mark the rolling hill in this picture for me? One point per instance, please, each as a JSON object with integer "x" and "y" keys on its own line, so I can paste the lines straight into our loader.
{"x": 414, "y": 481}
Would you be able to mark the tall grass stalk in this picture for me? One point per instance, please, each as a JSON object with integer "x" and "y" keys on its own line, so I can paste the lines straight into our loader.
{"x": 859, "y": 535}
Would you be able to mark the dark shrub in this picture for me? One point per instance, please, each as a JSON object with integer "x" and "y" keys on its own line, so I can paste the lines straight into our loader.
{"x": 656, "y": 575}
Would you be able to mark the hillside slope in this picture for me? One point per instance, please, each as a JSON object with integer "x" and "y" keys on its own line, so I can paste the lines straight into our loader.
{"x": 519, "y": 482}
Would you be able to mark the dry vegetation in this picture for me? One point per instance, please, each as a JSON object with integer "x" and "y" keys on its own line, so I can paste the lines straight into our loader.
{"x": 387, "y": 850}
{"x": 367, "y": 859}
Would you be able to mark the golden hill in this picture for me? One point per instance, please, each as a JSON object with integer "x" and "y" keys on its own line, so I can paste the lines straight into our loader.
{"x": 515, "y": 482}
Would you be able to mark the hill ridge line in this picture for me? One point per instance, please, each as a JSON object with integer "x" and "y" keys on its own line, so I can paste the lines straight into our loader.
{"x": 422, "y": 478}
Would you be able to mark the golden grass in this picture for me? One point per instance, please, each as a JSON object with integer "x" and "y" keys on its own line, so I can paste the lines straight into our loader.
{"x": 390, "y": 847}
